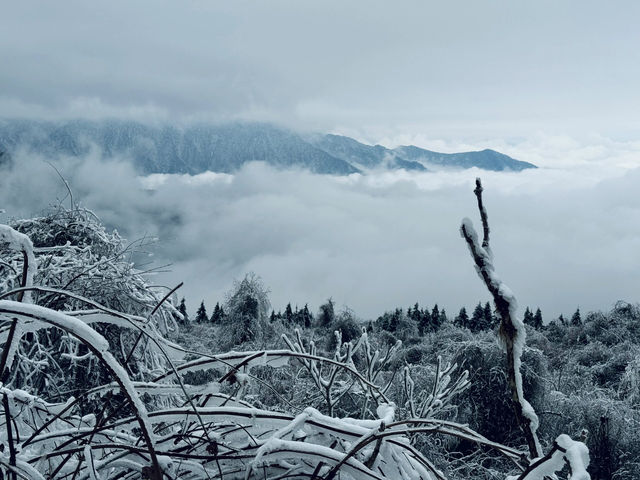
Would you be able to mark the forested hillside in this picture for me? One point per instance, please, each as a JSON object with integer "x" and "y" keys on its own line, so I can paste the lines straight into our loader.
{"x": 227, "y": 147}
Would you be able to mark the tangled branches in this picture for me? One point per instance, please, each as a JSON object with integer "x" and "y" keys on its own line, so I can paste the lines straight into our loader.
{"x": 139, "y": 417}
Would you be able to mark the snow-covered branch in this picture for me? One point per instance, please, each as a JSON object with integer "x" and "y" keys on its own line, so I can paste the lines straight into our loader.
{"x": 512, "y": 331}
{"x": 513, "y": 336}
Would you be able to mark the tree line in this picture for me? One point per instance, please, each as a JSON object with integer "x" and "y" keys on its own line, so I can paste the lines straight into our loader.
{"x": 417, "y": 320}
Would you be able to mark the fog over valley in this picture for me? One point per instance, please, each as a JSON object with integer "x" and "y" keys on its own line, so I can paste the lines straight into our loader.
{"x": 563, "y": 237}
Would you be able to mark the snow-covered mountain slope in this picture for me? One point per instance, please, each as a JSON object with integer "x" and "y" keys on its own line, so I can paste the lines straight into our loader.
{"x": 227, "y": 147}
{"x": 485, "y": 159}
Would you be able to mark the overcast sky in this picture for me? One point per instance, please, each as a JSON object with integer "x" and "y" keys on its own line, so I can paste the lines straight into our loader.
{"x": 550, "y": 82}
{"x": 456, "y": 69}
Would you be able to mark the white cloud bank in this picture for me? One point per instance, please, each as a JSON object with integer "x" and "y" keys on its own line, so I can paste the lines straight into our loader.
{"x": 562, "y": 238}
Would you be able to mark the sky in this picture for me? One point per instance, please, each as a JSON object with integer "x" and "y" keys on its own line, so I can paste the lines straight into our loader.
{"x": 554, "y": 83}
{"x": 465, "y": 70}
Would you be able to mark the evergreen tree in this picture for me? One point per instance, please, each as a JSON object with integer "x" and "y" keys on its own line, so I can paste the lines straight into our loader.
{"x": 182, "y": 308}
{"x": 415, "y": 314}
{"x": 562, "y": 320}
{"x": 537, "y": 320}
{"x": 477, "y": 318}
{"x": 462, "y": 319}
{"x": 201, "y": 314}
{"x": 424, "y": 322}
{"x": 327, "y": 314}
{"x": 273, "y": 317}
{"x": 288, "y": 313}
{"x": 395, "y": 320}
{"x": 217, "y": 314}
{"x": 488, "y": 319}
{"x": 305, "y": 317}
{"x": 435, "y": 318}
{"x": 528, "y": 317}
{"x": 576, "y": 319}
{"x": 443, "y": 317}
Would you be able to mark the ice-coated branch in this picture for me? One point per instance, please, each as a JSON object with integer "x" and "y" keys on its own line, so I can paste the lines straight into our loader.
{"x": 512, "y": 331}
{"x": 327, "y": 379}
{"x": 425, "y": 404}
{"x": 100, "y": 348}
{"x": 565, "y": 451}
{"x": 22, "y": 243}
{"x": 12, "y": 448}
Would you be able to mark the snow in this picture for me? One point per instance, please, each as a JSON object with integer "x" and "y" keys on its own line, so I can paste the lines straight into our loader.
{"x": 90, "y": 337}
{"x": 575, "y": 454}
{"x": 29, "y": 313}
{"x": 519, "y": 339}
{"x": 88, "y": 456}
{"x": 21, "y": 242}
{"x": 275, "y": 449}
{"x": 386, "y": 412}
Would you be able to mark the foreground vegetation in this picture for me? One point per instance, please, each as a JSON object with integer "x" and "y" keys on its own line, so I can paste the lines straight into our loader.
{"x": 99, "y": 381}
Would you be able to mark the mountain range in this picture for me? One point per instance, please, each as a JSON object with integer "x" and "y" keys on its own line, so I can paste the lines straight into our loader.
{"x": 227, "y": 147}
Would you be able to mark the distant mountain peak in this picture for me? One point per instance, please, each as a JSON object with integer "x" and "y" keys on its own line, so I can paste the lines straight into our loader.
{"x": 227, "y": 147}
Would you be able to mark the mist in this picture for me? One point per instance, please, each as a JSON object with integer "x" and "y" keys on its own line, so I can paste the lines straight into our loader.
{"x": 562, "y": 237}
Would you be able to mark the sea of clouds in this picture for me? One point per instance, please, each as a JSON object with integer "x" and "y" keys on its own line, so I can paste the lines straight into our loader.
{"x": 564, "y": 235}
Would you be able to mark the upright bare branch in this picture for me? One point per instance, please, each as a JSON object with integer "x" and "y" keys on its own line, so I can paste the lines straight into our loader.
{"x": 512, "y": 332}
{"x": 483, "y": 216}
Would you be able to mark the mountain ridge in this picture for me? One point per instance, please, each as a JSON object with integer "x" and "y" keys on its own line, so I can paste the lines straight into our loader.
{"x": 225, "y": 148}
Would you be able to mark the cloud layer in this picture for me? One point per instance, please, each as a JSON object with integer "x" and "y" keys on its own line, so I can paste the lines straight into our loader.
{"x": 562, "y": 238}
{"x": 452, "y": 69}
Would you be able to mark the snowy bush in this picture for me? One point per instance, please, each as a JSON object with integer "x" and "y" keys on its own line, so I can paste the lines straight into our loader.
{"x": 76, "y": 266}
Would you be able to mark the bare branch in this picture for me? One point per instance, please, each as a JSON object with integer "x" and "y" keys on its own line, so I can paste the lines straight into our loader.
{"x": 512, "y": 332}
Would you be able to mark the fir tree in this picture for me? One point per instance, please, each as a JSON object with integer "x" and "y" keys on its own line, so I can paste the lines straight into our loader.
{"x": 477, "y": 318}
{"x": 201, "y": 314}
{"x": 395, "y": 320}
{"x": 488, "y": 319}
{"x": 462, "y": 319}
{"x": 305, "y": 317}
{"x": 288, "y": 313}
{"x": 217, "y": 314}
{"x": 528, "y": 317}
{"x": 424, "y": 322}
{"x": 182, "y": 308}
{"x": 537, "y": 320}
{"x": 443, "y": 317}
{"x": 435, "y": 318}
{"x": 415, "y": 314}
{"x": 576, "y": 319}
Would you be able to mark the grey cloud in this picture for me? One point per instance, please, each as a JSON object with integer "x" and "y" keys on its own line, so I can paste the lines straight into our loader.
{"x": 451, "y": 68}
{"x": 561, "y": 238}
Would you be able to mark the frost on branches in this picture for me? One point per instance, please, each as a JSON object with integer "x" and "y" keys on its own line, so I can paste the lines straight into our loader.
{"x": 513, "y": 337}
{"x": 92, "y": 389}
